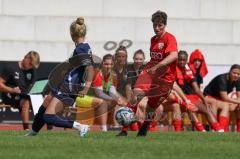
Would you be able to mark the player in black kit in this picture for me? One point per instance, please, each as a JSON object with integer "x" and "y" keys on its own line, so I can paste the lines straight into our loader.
{"x": 15, "y": 82}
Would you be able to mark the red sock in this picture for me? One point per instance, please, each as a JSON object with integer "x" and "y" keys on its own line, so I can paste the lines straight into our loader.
{"x": 238, "y": 125}
{"x": 216, "y": 126}
{"x": 153, "y": 126}
{"x": 134, "y": 126}
{"x": 177, "y": 125}
{"x": 199, "y": 126}
{"x": 125, "y": 128}
{"x": 224, "y": 122}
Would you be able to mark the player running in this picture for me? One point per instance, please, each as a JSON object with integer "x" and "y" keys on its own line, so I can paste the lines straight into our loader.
{"x": 157, "y": 78}
{"x": 66, "y": 93}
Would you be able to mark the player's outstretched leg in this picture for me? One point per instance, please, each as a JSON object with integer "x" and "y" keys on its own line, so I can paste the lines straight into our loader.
{"x": 38, "y": 122}
{"x": 144, "y": 129}
{"x": 59, "y": 122}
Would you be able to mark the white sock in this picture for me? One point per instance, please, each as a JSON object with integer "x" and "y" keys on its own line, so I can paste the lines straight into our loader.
{"x": 76, "y": 125}
{"x": 104, "y": 127}
{"x": 115, "y": 126}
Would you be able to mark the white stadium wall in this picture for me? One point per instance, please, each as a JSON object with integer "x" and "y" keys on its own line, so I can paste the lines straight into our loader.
{"x": 213, "y": 26}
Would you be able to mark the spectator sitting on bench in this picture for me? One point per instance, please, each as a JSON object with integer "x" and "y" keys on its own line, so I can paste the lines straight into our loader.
{"x": 15, "y": 82}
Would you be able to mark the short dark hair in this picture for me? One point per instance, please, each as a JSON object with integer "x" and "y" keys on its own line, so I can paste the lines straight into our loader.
{"x": 182, "y": 52}
{"x": 159, "y": 17}
{"x": 139, "y": 51}
{"x": 235, "y": 66}
{"x": 107, "y": 56}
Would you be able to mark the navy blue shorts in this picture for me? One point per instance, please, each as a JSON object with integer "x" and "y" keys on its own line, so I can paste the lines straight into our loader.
{"x": 67, "y": 93}
{"x": 65, "y": 98}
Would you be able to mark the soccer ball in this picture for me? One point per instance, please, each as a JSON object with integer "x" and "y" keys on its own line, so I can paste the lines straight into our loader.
{"x": 125, "y": 116}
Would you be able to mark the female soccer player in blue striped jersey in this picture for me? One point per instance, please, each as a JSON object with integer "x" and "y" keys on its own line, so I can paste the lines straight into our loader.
{"x": 64, "y": 95}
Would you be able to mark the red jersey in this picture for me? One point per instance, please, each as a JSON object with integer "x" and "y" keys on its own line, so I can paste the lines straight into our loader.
{"x": 197, "y": 54}
{"x": 160, "y": 48}
{"x": 158, "y": 86}
{"x": 184, "y": 79}
{"x": 105, "y": 82}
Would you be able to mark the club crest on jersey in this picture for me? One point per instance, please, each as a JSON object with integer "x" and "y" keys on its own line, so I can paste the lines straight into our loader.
{"x": 160, "y": 45}
{"x": 29, "y": 76}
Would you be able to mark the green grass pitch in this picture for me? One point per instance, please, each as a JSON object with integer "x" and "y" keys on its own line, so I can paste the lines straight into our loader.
{"x": 99, "y": 145}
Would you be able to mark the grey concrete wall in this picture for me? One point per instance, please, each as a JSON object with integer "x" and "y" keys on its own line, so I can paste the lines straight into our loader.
{"x": 213, "y": 26}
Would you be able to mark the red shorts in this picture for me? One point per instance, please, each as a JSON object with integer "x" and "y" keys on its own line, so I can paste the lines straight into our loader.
{"x": 194, "y": 99}
{"x": 154, "y": 102}
{"x": 155, "y": 85}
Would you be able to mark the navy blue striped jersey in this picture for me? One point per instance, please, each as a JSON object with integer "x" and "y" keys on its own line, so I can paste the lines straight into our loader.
{"x": 77, "y": 75}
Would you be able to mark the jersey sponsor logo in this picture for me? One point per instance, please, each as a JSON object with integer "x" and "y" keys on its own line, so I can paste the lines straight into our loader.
{"x": 160, "y": 45}
{"x": 16, "y": 75}
{"x": 156, "y": 55}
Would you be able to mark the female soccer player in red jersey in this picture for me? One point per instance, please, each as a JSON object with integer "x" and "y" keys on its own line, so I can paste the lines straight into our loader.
{"x": 105, "y": 84}
{"x": 188, "y": 84}
{"x": 157, "y": 78}
{"x": 198, "y": 66}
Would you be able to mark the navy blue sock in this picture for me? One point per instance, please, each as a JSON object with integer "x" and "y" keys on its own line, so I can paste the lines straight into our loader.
{"x": 57, "y": 121}
{"x": 38, "y": 121}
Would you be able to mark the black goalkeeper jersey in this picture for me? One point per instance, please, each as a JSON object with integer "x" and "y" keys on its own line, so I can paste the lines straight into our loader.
{"x": 15, "y": 77}
{"x": 221, "y": 83}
